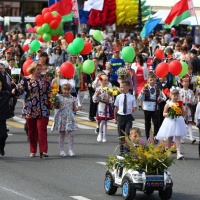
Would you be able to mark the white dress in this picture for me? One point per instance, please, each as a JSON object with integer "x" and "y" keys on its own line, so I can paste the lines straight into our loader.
{"x": 172, "y": 127}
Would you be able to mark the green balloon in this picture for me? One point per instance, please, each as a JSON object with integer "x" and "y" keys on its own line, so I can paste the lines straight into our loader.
{"x": 88, "y": 67}
{"x": 27, "y": 25}
{"x": 97, "y": 35}
{"x": 35, "y": 45}
{"x": 60, "y": 26}
{"x": 54, "y": 13}
{"x": 54, "y": 32}
{"x": 40, "y": 31}
{"x": 46, "y": 37}
{"x": 184, "y": 69}
{"x": 71, "y": 49}
{"x": 128, "y": 54}
{"x": 46, "y": 28}
{"x": 78, "y": 44}
{"x": 61, "y": 32}
{"x": 30, "y": 51}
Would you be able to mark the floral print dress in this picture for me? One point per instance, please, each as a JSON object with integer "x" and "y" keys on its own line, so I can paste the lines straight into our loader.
{"x": 36, "y": 103}
{"x": 189, "y": 99}
{"x": 64, "y": 119}
{"x": 104, "y": 110}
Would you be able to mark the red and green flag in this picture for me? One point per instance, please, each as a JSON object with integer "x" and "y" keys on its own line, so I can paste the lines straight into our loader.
{"x": 130, "y": 74}
{"x": 181, "y": 10}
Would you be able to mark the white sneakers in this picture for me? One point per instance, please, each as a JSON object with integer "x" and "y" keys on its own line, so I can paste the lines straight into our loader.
{"x": 62, "y": 154}
{"x": 179, "y": 156}
{"x": 100, "y": 139}
{"x": 71, "y": 153}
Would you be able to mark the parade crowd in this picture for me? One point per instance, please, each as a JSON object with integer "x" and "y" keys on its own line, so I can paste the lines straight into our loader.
{"x": 116, "y": 88}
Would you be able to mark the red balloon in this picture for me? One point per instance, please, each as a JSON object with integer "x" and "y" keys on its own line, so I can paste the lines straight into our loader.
{"x": 67, "y": 70}
{"x": 35, "y": 29}
{"x": 48, "y": 17}
{"x": 26, "y": 65}
{"x": 40, "y": 38}
{"x": 69, "y": 37}
{"x": 159, "y": 54}
{"x": 54, "y": 24}
{"x": 45, "y": 10}
{"x": 55, "y": 38}
{"x": 25, "y": 48}
{"x": 29, "y": 58}
{"x": 87, "y": 48}
{"x": 58, "y": 17}
{"x": 162, "y": 69}
{"x": 39, "y": 20}
{"x": 175, "y": 67}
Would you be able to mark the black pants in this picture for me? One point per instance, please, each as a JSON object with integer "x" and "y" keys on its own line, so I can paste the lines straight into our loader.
{"x": 160, "y": 113}
{"x": 148, "y": 115}
{"x": 114, "y": 83}
{"x": 124, "y": 123}
{"x": 93, "y": 106}
{"x": 3, "y": 134}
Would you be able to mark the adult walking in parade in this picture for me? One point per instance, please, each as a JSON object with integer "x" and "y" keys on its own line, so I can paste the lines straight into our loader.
{"x": 36, "y": 107}
{"x": 4, "y": 111}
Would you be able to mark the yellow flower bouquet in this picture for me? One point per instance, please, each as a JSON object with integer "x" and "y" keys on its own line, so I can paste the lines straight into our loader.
{"x": 175, "y": 111}
{"x": 147, "y": 157}
{"x": 53, "y": 99}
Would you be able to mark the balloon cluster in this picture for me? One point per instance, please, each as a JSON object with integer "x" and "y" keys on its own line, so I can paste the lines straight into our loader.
{"x": 49, "y": 26}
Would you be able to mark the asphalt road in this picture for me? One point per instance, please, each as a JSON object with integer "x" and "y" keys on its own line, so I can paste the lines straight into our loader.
{"x": 81, "y": 177}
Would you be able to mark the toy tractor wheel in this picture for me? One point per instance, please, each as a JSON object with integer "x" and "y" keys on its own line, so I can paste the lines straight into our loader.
{"x": 108, "y": 185}
{"x": 166, "y": 194}
{"x": 148, "y": 192}
{"x": 128, "y": 190}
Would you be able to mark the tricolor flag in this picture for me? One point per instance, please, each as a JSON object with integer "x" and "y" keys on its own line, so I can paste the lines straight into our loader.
{"x": 181, "y": 10}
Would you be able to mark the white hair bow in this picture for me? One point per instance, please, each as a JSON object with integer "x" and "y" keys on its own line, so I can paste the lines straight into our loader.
{"x": 174, "y": 88}
{"x": 65, "y": 81}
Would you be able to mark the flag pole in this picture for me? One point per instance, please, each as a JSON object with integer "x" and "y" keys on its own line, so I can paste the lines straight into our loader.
{"x": 195, "y": 15}
{"x": 79, "y": 23}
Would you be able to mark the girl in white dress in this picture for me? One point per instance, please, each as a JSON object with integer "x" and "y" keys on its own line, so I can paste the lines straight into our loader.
{"x": 104, "y": 97}
{"x": 173, "y": 128}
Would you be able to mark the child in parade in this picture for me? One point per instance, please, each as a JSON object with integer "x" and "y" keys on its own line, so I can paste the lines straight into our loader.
{"x": 173, "y": 127}
{"x": 131, "y": 77}
{"x": 190, "y": 74}
{"x": 151, "y": 95}
{"x": 65, "y": 120}
{"x": 135, "y": 135}
{"x": 189, "y": 100}
{"x": 125, "y": 105}
{"x": 104, "y": 97}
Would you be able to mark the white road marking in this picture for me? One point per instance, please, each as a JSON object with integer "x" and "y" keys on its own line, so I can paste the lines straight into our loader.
{"x": 79, "y": 198}
{"x": 17, "y": 193}
{"x": 10, "y": 134}
{"x": 101, "y": 163}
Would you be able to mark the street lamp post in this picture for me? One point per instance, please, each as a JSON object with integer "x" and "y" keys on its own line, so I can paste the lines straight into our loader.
{"x": 139, "y": 19}
{"x": 22, "y": 17}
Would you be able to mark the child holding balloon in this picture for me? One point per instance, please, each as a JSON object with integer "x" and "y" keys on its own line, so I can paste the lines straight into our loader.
{"x": 104, "y": 97}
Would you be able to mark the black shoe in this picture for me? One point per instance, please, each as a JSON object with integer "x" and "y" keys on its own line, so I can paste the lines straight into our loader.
{"x": 44, "y": 155}
{"x": 92, "y": 119}
{"x": 193, "y": 141}
{"x": 97, "y": 130}
{"x": 2, "y": 152}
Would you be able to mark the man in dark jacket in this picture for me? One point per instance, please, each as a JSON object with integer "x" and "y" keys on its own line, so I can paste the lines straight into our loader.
{"x": 195, "y": 62}
{"x": 5, "y": 90}
{"x": 89, "y": 80}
